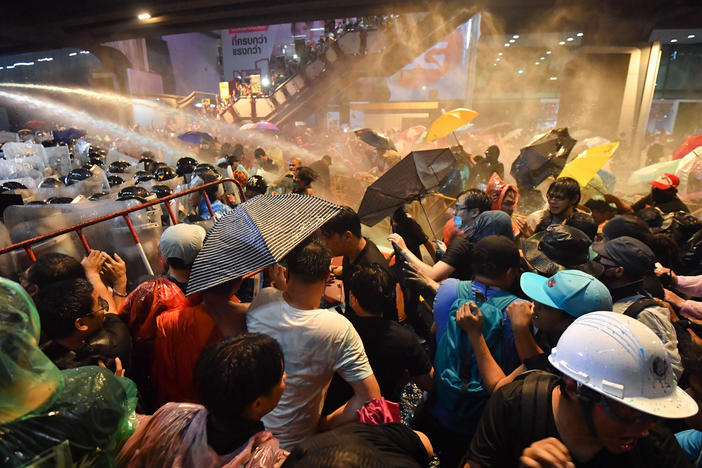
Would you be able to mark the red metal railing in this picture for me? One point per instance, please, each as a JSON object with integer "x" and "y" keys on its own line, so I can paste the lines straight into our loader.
{"x": 78, "y": 228}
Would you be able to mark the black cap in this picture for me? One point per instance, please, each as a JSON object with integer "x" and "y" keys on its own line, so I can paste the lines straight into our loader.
{"x": 625, "y": 225}
{"x": 632, "y": 254}
{"x": 560, "y": 247}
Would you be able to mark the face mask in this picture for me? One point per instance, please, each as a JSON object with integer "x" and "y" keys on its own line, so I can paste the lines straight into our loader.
{"x": 458, "y": 221}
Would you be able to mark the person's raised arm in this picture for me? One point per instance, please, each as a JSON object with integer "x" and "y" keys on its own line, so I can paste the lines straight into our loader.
{"x": 520, "y": 313}
{"x": 437, "y": 272}
{"x": 363, "y": 391}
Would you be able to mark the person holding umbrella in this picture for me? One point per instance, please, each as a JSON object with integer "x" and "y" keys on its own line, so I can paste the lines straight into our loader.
{"x": 563, "y": 196}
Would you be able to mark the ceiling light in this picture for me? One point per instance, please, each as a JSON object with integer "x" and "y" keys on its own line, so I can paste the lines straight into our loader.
{"x": 295, "y": 56}
{"x": 536, "y": 63}
{"x": 570, "y": 39}
{"x": 494, "y": 64}
{"x": 691, "y": 36}
{"x": 548, "y": 52}
{"x": 507, "y": 44}
{"x": 498, "y": 59}
{"x": 553, "y": 78}
{"x": 542, "y": 58}
{"x": 73, "y": 54}
{"x": 579, "y": 34}
{"x": 673, "y": 40}
{"x": 562, "y": 43}
{"x": 511, "y": 41}
{"x": 499, "y": 53}
{"x": 516, "y": 36}
{"x": 520, "y": 72}
{"x": 143, "y": 16}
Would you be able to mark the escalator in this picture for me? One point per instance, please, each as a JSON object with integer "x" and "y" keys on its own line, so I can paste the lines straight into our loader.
{"x": 354, "y": 55}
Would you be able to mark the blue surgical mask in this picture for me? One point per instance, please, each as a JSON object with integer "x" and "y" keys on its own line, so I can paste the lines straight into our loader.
{"x": 458, "y": 221}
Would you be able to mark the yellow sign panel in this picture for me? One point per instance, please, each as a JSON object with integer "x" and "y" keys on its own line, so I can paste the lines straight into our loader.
{"x": 224, "y": 90}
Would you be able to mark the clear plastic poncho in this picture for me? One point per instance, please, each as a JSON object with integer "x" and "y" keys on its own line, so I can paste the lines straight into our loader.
{"x": 41, "y": 407}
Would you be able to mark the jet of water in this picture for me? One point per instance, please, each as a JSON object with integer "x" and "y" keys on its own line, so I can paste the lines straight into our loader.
{"x": 70, "y": 114}
{"x": 221, "y": 129}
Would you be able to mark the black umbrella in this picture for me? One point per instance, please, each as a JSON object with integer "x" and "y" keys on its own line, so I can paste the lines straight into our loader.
{"x": 419, "y": 173}
{"x": 256, "y": 234}
{"x": 375, "y": 139}
{"x": 545, "y": 156}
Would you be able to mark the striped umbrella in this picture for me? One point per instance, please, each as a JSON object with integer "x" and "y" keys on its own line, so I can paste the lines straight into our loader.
{"x": 256, "y": 234}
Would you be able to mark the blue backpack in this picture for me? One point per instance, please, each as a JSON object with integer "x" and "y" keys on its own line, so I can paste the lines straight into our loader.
{"x": 458, "y": 382}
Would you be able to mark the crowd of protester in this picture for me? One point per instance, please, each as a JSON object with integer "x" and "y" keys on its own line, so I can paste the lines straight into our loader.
{"x": 568, "y": 335}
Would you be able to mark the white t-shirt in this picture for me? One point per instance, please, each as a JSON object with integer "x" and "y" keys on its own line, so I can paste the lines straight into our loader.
{"x": 316, "y": 343}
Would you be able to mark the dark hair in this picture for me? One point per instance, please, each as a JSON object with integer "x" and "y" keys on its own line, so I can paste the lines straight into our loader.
{"x": 54, "y": 267}
{"x": 309, "y": 261}
{"x": 651, "y": 216}
{"x": 224, "y": 289}
{"x": 599, "y": 205}
{"x": 177, "y": 263}
{"x": 373, "y": 288}
{"x": 475, "y": 198}
{"x": 566, "y": 186}
{"x": 584, "y": 222}
{"x": 628, "y": 225}
{"x": 258, "y": 152}
{"x": 346, "y": 220}
{"x": 232, "y": 373}
{"x": 305, "y": 173}
{"x": 61, "y": 303}
{"x": 493, "y": 256}
{"x": 207, "y": 177}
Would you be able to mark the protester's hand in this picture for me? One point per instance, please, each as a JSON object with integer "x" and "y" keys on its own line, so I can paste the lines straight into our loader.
{"x": 440, "y": 248}
{"x": 519, "y": 314}
{"x": 94, "y": 261}
{"x": 278, "y": 277}
{"x": 119, "y": 371}
{"x": 674, "y": 300}
{"x": 526, "y": 230}
{"x": 663, "y": 271}
{"x": 521, "y": 224}
{"x": 114, "y": 270}
{"x": 470, "y": 319}
{"x": 230, "y": 199}
{"x": 398, "y": 241}
{"x": 544, "y": 453}
{"x": 417, "y": 279}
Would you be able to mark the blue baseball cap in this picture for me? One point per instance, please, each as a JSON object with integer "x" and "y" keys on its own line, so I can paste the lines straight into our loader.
{"x": 572, "y": 291}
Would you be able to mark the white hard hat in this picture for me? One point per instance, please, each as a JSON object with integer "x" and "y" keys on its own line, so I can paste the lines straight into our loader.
{"x": 621, "y": 358}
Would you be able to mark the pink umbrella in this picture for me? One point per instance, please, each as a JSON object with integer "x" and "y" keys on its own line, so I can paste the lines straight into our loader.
{"x": 690, "y": 144}
{"x": 262, "y": 125}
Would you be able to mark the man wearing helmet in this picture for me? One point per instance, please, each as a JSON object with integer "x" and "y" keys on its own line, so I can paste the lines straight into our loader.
{"x": 616, "y": 383}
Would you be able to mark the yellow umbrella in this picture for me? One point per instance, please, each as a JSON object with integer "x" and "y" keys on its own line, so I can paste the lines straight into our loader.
{"x": 449, "y": 122}
{"x": 584, "y": 167}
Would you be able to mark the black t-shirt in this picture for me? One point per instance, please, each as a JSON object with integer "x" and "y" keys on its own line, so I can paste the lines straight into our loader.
{"x": 458, "y": 255}
{"x": 111, "y": 341}
{"x": 502, "y": 436}
{"x": 393, "y": 353}
{"x": 369, "y": 255}
{"x": 395, "y": 444}
{"x": 413, "y": 235}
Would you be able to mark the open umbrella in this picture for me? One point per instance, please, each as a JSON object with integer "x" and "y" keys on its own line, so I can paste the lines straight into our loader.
{"x": 68, "y": 135}
{"x": 653, "y": 171}
{"x": 584, "y": 167}
{"x": 419, "y": 173}
{"x": 375, "y": 139}
{"x": 449, "y": 122}
{"x": 545, "y": 156}
{"x": 256, "y": 234}
{"x": 262, "y": 125}
{"x": 689, "y": 144}
{"x": 196, "y": 138}
{"x": 37, "y": 125}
